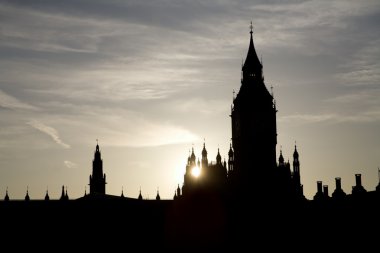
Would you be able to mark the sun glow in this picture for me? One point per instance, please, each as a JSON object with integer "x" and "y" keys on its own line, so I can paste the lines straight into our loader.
{"x": 196, "y": 171}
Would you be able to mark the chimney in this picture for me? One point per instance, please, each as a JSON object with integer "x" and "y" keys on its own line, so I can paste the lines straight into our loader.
{"x": 358, "y": 179}
{"x": 338, "y": 184}
{"x": 319, "y": 186}
{"x": 326, "y": 190}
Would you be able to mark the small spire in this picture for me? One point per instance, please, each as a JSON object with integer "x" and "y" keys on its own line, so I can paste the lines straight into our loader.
{"x": 6, "y": 198}
{"x": 140, "y": 196}
{"x": 295, "y": 154}
{"x": 66, "y": 195}
{"x": 27, "y": 198}
{"x": 122, "y": 192}
{"x": 158, "y": 195}
{"x": 47, "y": 195}
{"x": 85, "y": 190}
{"x": 251, "y": 28}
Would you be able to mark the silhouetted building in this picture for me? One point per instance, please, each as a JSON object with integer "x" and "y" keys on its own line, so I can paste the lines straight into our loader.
{"x": 202, "y": 177}
{"x": 97, "y": 179}
{"x": 230, "y": 214}
{"x": 254, "y": 131}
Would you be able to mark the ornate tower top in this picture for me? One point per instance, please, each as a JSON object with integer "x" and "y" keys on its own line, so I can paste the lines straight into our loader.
{"x": 252, "y": 66}
{"x": 295, "y": 154}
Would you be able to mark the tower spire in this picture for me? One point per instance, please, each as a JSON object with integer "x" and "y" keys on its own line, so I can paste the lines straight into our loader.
{"x": 252, "y": 67}
{"x": 6, "y": 195}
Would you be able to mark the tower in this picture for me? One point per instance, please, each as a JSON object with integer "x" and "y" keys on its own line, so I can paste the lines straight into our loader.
{"x": 230, "y": 160}
{"x": 204, "y": 156}
{"x": 97, "y": 179}
{"x": 254, "y": 134}
{"x": 298, "y": 187}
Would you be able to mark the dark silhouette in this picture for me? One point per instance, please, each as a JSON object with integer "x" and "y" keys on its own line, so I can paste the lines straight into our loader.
{"x": 97, "y": 179}
{"x": 240, "y": 205}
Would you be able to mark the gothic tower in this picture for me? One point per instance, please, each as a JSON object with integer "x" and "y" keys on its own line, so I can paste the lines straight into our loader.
{"x": 254, "y": 134}
{"x": 97, "y": 179}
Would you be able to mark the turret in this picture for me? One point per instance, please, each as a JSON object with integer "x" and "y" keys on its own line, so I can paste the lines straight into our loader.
{"x": 338, "y": 193}
{"x": 358, "y": 189}
{"x": 98, "y": 178}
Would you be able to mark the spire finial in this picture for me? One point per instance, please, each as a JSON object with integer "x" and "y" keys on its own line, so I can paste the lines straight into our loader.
{"x": 251, "y": 28}
{"x": 97, "y": 142}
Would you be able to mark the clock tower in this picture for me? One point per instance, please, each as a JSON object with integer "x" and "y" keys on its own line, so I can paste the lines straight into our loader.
{"x": 254, "y": 133}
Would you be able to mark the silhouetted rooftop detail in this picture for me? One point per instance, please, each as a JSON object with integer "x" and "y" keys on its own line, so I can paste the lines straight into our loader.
{"x": 252, "y": 63}
{"x": 122, "y": 192}
{"x": 47, "y": 198}
{"x": 6, "y": 198}
{"x": 358, "y": 189}
{"x": 338, "y": 193}
{"x": 27, "y": 198}
{"x": 140, "y": 196}
{"x": 158, "y": 195}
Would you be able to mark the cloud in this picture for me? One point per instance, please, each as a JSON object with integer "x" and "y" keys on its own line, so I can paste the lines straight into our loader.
{"x": 9, "y": 102}
{"x": 361, "y": 117}
{"x": 53, "y": 133}
{"x": 70, "y": 165}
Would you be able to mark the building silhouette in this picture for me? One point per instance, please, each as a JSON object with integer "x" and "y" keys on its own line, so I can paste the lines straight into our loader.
{"x": 97, "y": 178}
{"x": 221, "y": 206}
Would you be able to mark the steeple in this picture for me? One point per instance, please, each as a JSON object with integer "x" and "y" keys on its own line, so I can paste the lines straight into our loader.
{"x": 27, "y": 198}
{"x": 66, "y": 195}
{"x": 97, "y": 178}
{"x": 158, "y": 195}
{"x": 295, "y": 154}
{"x": 178, "y": 191}
{"x": 122, "y": 192}
{"x": 218, "y": 158}
{"x": 6, "y": 198}
{"x": 47, "y": 198}
{"x": 252, "y": 68}
{"x": 63, "y": 193}
{"x": 281, "y": 159}
{"x": 192, "y": 157}
{"x": 140, "y": 196}
{"x": 204, "y": 156}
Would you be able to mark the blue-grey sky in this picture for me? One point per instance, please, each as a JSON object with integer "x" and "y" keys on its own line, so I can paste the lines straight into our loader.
{"x": 150, "y": 78}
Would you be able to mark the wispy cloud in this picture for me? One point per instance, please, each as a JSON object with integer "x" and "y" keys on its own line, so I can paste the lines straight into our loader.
{"x": 9, "y": 102}
{"x": 70, "y": 164}
{"x": 50, "y": 131}
{"x": 363, "y": 117}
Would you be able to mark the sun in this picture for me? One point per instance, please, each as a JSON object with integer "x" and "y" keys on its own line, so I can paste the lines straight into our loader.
{"x": 196, "y": 171}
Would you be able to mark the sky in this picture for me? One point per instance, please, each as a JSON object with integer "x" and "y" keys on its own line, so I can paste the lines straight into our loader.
{"x": 152, "y": 79}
